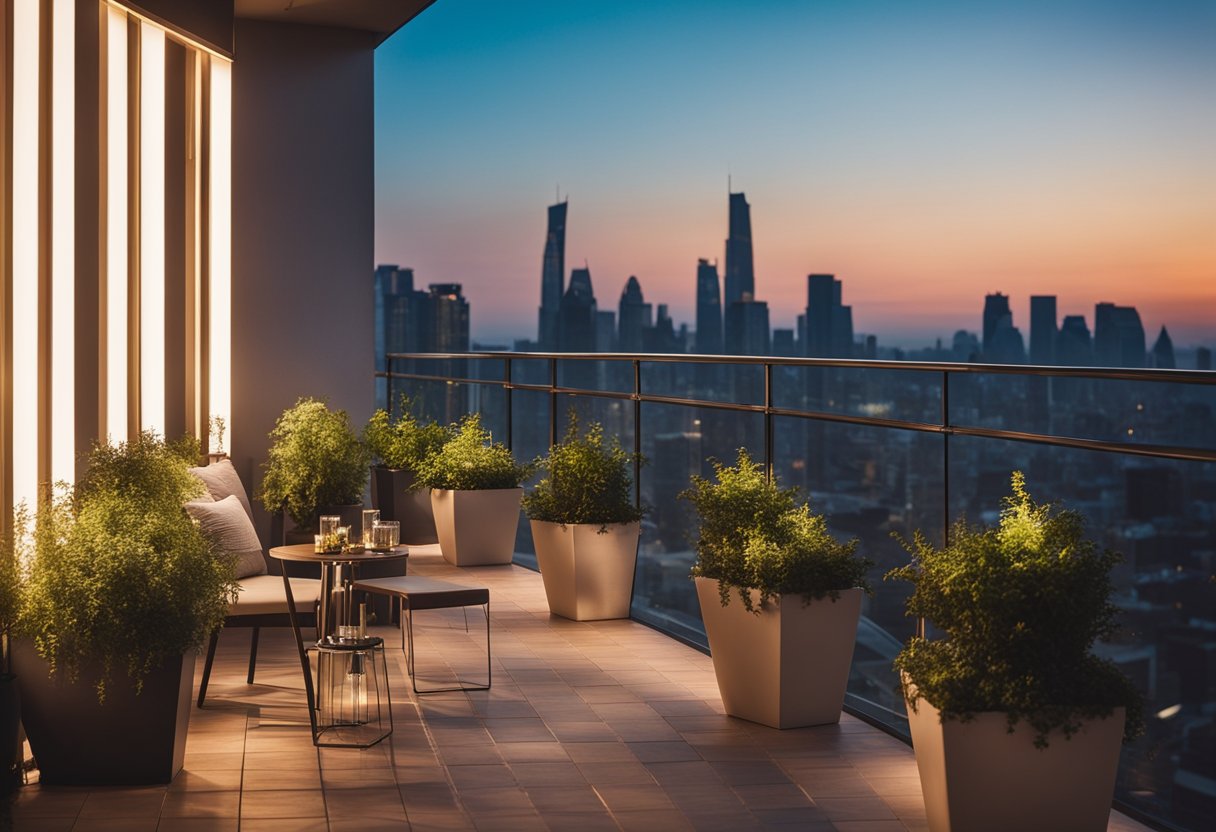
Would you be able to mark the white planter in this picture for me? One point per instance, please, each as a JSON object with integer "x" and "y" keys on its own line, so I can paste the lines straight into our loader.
{"x": 477, "y": 528}
{"x": 978, "y": 777}
{"x": 588, "y": 575}
{"x": 786, "y": 667}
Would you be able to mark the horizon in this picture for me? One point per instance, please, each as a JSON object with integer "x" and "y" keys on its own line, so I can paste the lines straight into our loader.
{"x": 926, "y": 157}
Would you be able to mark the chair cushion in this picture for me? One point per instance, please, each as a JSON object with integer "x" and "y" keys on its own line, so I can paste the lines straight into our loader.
{"x": 227, "y": 525}
{"x": 221, "y": 480}
{"x": 263, "y": 595}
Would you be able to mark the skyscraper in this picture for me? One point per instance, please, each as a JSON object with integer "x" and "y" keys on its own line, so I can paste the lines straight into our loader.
{"x": 1163, "y": 351}
{"x": 1118, "y": 336}
{"x": 553, "y": 270}
{"x": 747, "y": 331}
{"x": 576, "y": 325}
{"x": 996, "y": 307}
{"x": 1042, "y": 329}
{"x": 829, "y": 323}
{"x": 1074, "y": 347}
{"x": 449, "y": 319}
{"x": 709, "y": 310}
{"x": 740, "y": 270}
{"x": 634, "y": 318}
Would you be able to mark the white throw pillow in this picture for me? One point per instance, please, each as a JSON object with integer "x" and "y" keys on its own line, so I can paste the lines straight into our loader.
{"x": 227, "y": 525}
{"x": 221, "y": 480}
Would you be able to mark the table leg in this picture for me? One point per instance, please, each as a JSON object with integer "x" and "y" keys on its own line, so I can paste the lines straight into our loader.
{"x": 304, "y": 665}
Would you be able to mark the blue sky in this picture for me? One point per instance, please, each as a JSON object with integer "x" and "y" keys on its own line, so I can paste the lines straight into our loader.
{"x": 926, "y": 153}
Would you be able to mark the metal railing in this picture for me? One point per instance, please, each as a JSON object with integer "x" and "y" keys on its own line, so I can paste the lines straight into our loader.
{"x": 543, "y": 377}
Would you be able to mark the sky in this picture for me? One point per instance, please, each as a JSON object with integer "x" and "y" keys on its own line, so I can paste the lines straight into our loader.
{"x": 925, "y": 153}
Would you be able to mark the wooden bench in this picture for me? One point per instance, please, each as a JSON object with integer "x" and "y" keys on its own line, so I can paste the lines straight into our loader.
{"x": 415, "y": 593}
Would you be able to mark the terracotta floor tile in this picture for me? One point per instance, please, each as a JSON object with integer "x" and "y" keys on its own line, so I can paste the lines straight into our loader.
{"x": 663, "y": 752}
{"x": 547, "y": 774}
{"x": 118, "y": 824}
{"x": 496, "y": 800}
{"x": 854, "y": 808}
{"x": 668, "y": 820}
{"x": 260, "y": 780}
{"x": 293, "y": 804}
{"x": 439, "y": 821}
{"x": 614, "y": 774}
{"x": 123, "y": 803}
{"x": 201, "y": 805}
{"x": 382, "y": 803}
{"x": 481, "y": 776}
{"x": 427, "y": 797}
{"x": 633, "y": 798}
{"x": 580, "y": 822}
{"x": 197, "y": 825}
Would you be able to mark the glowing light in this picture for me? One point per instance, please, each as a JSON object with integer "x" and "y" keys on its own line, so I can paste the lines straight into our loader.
{"x": 116, "y": 225}
{"x": 1166, "y": 713}
{"x": 63, "y": 243}
{"x": 151, "y": 227}
{"x": 25, "y": 81}
{"x": 220, "y": 226}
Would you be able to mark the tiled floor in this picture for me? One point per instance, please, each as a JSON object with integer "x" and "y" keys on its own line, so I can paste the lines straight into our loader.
{"x": 606, "y": 725}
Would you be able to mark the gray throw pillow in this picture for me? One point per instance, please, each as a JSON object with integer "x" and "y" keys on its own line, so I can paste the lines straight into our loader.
{"x": 221, "y": 480}
{"x": 226, "y": 524}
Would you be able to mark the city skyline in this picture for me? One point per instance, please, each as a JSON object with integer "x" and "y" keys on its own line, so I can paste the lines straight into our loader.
{"x": 926, "y": 156}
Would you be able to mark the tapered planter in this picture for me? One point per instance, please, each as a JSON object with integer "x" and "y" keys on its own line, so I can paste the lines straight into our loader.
{"x": 588, "y": 575}
{"x": 978, "y": 777}
{"x": 129, "y": 740}
{"x": 412, "y": 509}
{"x": 786, "y": 667}
{"x": 477, "y": 528}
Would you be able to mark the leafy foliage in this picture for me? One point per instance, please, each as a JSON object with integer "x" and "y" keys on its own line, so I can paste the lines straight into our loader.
{"x": 315, "y": 460}
{"x": 471, "y": 461}
{"x": 755, "y": 535}
{"x": 117, "y": 572}
{"x": 589, "y": 480}
{"x": 1021, "y": 606}
{"x": 405, "y": 442}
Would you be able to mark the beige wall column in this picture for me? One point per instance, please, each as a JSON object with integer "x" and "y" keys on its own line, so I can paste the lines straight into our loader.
{"x": 302, "y": 228}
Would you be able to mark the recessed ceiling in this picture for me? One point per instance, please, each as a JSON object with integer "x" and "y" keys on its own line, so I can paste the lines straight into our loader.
{"x": 380, "y": 16}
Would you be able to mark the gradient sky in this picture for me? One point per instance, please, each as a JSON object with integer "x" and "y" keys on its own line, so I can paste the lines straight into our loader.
{"x": 926, "y": 153}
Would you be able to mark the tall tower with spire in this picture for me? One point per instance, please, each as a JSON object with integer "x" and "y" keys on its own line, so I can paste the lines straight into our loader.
{"x": 552, "y": 280}
{"x": 740, "y": 270}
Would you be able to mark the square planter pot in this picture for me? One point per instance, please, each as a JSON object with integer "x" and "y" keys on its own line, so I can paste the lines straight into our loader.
{"x": 588, "y": 575}
{"x": 130, "y": 740}
{"x": 477, "y": 528}
{"x": 412, "y": 509}
{"x": 786, "y": 667}
{"x": 978, "y": 777}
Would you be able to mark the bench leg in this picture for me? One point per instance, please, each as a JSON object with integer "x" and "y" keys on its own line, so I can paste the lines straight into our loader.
{"x": 409, "y": 657}
{"x": 253, "y": 654}
{"x": 202, "y": 688}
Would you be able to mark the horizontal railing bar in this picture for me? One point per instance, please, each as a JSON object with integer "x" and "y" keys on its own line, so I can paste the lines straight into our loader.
{"x": 1206, "y": 377}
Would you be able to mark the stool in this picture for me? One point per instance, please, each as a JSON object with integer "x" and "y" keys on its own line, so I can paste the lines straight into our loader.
{"x": 415, "y": 593}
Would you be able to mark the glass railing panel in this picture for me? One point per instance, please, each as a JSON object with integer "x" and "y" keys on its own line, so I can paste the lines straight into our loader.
{"x": 587, "y": 374}
{"x": 734, "y": 383}
{"x": 529, "y": 439}
{"x": 1159, "y": 515}
{"x": 1106, "y": 410}
{"x": 905, "y": 395}
{"x": 679, "y": 441}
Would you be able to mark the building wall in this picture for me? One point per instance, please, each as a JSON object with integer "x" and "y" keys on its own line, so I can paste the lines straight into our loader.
{"x": 302, "y": 229}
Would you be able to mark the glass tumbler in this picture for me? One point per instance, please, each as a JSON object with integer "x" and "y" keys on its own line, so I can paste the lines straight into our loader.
{"x": 370, "y": 517}
{"x": 329, "y": 524}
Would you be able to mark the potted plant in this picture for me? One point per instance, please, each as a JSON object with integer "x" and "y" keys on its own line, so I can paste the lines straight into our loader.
{"x": 317, "y": 465}
{"x": 398, "y": 447}
{"x": 10, "y": 698}
{"x": 586, "y": 525}
{"x": 779, "y": 595}
{"x": 120, "y": 589}
{"x": 1015, "y": 723}
{"x": 475, "y": 494}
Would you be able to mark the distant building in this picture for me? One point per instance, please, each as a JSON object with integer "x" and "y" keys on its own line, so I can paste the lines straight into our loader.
{"x": 996, "y": 307}
{"x": 1005, "y": 344}
{"x": 829, "y": 324}
{"x": 662, "y": 337}
{"x": 401, "y": 320}
{"x": 740, "y": 269}
{"x": 1163, "y": 351}
{"x": 965, "y": 346}
{"x": 634, "y": 319}
{"x": 784, "y": 343}
{"x": 747, "y": 331}
{"x": 605, "y": 331}
{"x": 576, "y": 320}
{"x": 1043, "y": 329}
{"x": 1074, "y": 347}
{"x": 1118, "y": 336}
{"x": 1203, "y": 359}
{"x": 447, "y": 318}
{"x": 709, "y": 310}
{"x": 553, "y": 270}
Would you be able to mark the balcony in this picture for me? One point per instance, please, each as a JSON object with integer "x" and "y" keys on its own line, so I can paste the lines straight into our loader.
{"x": 606, "y": 725}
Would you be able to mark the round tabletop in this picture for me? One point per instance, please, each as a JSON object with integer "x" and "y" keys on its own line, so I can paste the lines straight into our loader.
{"x": 305, "y": 552}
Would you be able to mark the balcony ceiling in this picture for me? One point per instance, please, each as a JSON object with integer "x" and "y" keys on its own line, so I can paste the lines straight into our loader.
{"x": 380, "y": 16}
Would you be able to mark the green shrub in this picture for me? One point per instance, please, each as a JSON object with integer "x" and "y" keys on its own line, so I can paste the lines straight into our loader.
{"x": 471, "y": 461}
{"x": 1020, "y": 606}
{"x": 315, "y": 460}
{"x": 757, "y": 536}
{"x": 405, "y": 442}
{"x": 116, "y": 571}
{"x": 589, "y": 480}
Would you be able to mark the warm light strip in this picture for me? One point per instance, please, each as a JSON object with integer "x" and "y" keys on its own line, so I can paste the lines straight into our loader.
{"x": 25, "y": 81}
{"x": 142, "y": 18}
{"x": 63, "y": 243}
{"x": 152, "y": 227}
{"x": 220, "y": 254}
{"x": 116, "y": 225}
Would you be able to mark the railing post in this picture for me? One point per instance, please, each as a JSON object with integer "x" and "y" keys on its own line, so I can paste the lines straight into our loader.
{"x": 768, "y": 420}
{"x": 506, "y": 375}
{"x": 637, "y": 433}
{"x": 552, "y": 402}
{"x": 388, "y": 384}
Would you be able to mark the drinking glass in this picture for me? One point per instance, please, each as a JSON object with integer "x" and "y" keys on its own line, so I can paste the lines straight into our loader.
{"x": 370, "y": 518}
{"x": 329, "y": 524}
